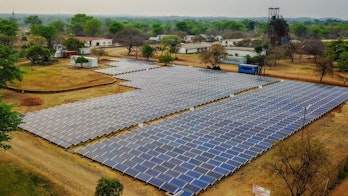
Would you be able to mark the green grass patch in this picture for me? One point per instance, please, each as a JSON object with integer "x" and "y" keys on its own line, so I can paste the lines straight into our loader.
{"x": 306, "y": 68}
{"x": 17, "y": 181}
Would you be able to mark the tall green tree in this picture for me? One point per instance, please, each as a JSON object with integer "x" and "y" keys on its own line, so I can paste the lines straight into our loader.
{"x": 8, "y": 31}
{"x": 8, "y": 71}
{"x": 9, "y": 120}
{"x": 278, "y": 31}
{"x": 108, "y": 187}
{"x": 48, "y": 32}
{"x": 115, "y": 27}
{"x": 73, "y": 44}
{"x": 157, "y": 29}
{"x": 33, "y": 20}
{"x": 77, "y": 24}
{"x": 92, "y": 27}
{"x": 59, "y": 25}
{"x": 299, "y": 30}
{"x": 171, "y": 42}
{"x": 147, "y": 51}
{"x": 38, "y": 54}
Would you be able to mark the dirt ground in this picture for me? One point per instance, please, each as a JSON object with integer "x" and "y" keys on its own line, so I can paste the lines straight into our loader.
{"x": 79, "y": 175}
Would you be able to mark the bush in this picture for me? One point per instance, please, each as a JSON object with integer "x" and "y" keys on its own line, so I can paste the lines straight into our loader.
{"x": 108, "y": 187}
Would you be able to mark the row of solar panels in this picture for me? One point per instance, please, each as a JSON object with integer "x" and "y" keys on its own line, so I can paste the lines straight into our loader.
{"x": 71, "y": 124}
{"x": 122, "y": 66}
{"x": 194, "y": 150}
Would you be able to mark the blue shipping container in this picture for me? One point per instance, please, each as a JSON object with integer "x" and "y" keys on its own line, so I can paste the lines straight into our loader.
{"x": 249, "y": 69}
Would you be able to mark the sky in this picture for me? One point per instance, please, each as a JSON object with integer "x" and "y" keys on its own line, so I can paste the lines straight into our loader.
{"x": 201, "y": 8}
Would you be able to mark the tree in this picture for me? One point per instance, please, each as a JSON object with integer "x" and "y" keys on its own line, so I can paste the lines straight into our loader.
{"x": 8, "y": 71}
{"x": 130, "y": 38}
{"x": 33, "y": 20}
{"x": 213, "y": 55}
{"x": 37, "y": 40}
{"x": 313, "y": 47}
{"x": 147, "y": 51}
{"x": 278, "y": 31}
{"x": 342, "y": 62}
{"x": 300, "y": 164}
{"x": 292, "y": 48}
{"x": 38, "y": 55}
{"x": 9, "y": 122}
{"x": 324, "y": 65}
{"x": 81, "y": 60}
{"x": 73, "y": 44}
{"x": 59, "y": 25}
{"x": 165, "y": 58}
{"x": 157, "y": 29}
{"x": 8, "y": 31}
{"x": 299, "y": 30}
{"x": 115, "y": 27}
{"x": 171, "y": 42}
{"x": 108, "y": 187}
{"x": 98, "y": 51}
{"x": 92, "y": 27}
{"x": 48, "y": 32}
{"x": 77, "y": 23}
{"x": 182, "y": 26}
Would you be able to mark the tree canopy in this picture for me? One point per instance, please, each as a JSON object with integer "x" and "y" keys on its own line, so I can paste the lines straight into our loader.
{"x": 213, "y": 55}
{"x": 77, "y": 24}
{"x": 8, "y": 70}
{"x": 73, "y": 44}
{"x": 147, "y": 51}
{"x": 48, "y": 32}
{"x": 8, "y": 31}
{"x": 38, "y": 55}
{"x": 33, "y": 20}
{"x": 108, "y": 187}
{"x": 115, "y": 27}
{"x": 9, "y": 122}
{"x": 92, "y": 27}
{"x": 130, "y": 37}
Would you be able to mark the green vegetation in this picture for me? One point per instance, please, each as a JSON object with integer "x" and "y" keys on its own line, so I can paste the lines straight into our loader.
{"x": 108, "y": 187}
{"x": 17, "y": 181}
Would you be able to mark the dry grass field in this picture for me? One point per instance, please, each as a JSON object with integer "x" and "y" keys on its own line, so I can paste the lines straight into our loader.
{"x": 78, "y": 176}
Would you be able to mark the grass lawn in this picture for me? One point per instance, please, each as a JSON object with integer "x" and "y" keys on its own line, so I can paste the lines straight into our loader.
{"x": 15, "y": 180}
{"x": 59, "y": 76}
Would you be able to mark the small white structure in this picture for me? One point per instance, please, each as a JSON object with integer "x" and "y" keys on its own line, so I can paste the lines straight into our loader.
{"x": 193, "y": 48}
{"x": 242, "y": 51}
{"x": 92, "y": 62}
{"x": 95, "y": 41}
{"x": 230, "y": 42}
{"x": 234, "y": 60}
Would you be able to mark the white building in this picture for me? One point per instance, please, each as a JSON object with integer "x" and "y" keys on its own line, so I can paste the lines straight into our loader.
{"x": 95, "y": 41}
{"x": 193, "y": 48}
{"x": 242, "y": 51}
{"x": 92, "y": 62}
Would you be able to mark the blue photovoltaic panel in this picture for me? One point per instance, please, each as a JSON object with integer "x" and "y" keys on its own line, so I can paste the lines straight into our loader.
{"x": 233, "y": 132}
{"x": 160, "y": 92}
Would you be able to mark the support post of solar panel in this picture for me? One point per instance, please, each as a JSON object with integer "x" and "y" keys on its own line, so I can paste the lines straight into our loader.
{"x": 304, "y": 119}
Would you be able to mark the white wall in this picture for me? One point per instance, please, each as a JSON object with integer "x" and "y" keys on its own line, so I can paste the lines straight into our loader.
{"x": 92, "y": 62}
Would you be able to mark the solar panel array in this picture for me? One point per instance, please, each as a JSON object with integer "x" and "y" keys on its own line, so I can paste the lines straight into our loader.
{"x": 194, "y": 150}
{"x": 163, "y": 91}
{"x": 122, "y": 66}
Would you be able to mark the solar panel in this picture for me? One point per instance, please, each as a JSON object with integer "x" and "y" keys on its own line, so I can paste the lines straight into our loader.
{"x": 160, "y": 92}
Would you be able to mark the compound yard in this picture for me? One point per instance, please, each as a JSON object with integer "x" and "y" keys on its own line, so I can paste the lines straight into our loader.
{"x": 223, "y": 120}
